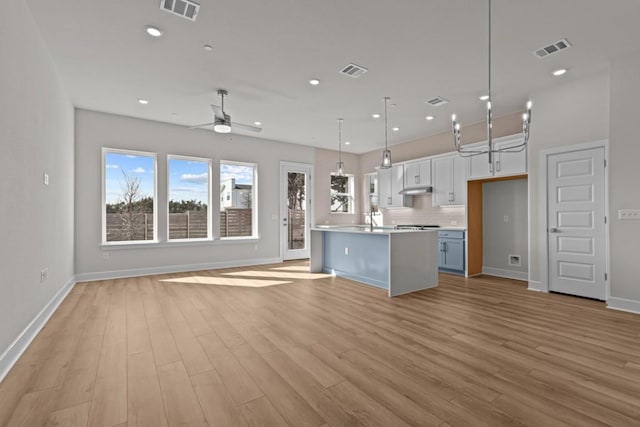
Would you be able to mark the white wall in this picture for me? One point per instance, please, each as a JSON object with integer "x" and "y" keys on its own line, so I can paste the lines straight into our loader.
{"x": 504, "y": 238}
{"x": 96, "y": 130}
{"x": 624, "y": 176}
{"x": 567, "y": 114}
{"x": 36, "y": 136}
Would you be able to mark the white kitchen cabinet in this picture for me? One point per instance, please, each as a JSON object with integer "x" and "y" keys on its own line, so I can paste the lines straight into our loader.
{"x": 390, "y": 182}
{"x": 504, "y": 163}
{"x": 417, "y": 173}
{"x": 449, "y": 180}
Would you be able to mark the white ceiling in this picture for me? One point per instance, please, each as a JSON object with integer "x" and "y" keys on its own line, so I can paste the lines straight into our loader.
{"x": 265, "y": 51}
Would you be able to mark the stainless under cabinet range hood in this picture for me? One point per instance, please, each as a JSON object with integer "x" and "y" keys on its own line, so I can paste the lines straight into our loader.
{"x": 417, "y": 190}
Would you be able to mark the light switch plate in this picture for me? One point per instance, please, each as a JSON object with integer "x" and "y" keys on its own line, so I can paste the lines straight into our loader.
{"x": 45, "y": 178}
{"x": 629, "y": 214}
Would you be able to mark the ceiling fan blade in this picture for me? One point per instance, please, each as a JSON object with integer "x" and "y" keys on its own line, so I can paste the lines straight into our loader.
{"x": 202, "y": 125}
{"x": 235, "y": 125}
{"x": 217, "y": 111}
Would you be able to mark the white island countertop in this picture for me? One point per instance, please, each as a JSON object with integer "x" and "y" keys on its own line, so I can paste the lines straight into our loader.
{"x": 366, "y": 229}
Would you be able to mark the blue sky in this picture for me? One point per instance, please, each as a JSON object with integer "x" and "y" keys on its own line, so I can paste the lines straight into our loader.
{"x": 140, "y": 167}
{"x": 188, "y": 179}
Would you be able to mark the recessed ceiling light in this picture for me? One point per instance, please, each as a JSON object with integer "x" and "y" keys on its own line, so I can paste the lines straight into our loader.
{"x": 314, "y": 82}
{"x": 395, "y": 129}
{"x": 257, "y": 123}
{"x": 347, "y": 143}
{"x": 559, "y": 72}
{"x": 375, "y": 116}
{"x": 430, "y": 117}
{"x": 143, "y": 101}
{"x": 484, "y": 97}
{"x": 153, "y": 31}
{"x": 207, "y": 47}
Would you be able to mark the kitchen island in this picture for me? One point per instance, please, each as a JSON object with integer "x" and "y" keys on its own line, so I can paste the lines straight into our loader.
{"x": 400, "y": 261}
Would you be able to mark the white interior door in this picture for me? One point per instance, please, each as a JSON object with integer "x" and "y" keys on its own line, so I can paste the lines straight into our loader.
{"x": 576, "y": 221}
{"x": 295, "y": 212}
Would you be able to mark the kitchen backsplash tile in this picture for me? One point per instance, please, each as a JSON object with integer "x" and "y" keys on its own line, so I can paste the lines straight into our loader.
{"x": 423, "y": 213}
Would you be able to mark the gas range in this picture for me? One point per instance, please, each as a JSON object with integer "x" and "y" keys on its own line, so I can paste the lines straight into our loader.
{"x": 416, "y": 227}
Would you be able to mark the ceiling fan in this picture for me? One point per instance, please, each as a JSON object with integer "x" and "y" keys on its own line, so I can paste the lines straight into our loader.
{"x": 222, "y": 121}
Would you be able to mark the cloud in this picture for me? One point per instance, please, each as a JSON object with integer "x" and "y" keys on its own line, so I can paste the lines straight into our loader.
{"x": 113, "y": 167}
{"x": 242, "y": 174}
{"x": 138, "y": 170}
{"x": 131, "y": 156}
{"x": 200, "y": 178}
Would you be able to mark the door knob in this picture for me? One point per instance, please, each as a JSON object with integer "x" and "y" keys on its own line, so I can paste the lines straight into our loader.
{"x": 554, "y": 230}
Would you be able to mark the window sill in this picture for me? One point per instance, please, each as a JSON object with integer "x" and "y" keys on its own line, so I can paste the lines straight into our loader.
{"x": 177, "y": 243}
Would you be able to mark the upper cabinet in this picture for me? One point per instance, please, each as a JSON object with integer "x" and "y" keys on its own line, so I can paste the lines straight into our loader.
{"x": 417, "y": 173}
{"x": 390, "y": 183}
{"x": 449, "y": 180}
{"x": 504, "y": 163}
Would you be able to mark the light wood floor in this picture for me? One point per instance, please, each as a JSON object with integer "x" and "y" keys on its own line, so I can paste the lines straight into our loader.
{"x": 277, "y": 346}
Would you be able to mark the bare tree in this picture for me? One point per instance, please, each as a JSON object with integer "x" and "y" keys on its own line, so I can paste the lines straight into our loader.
{"x": 132, "y": 209}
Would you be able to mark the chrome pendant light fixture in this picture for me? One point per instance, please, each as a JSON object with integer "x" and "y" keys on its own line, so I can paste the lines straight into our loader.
{"x": 386, "y": 154}
{"x": 491, "y": 150}
{"x": 340, "y": 164}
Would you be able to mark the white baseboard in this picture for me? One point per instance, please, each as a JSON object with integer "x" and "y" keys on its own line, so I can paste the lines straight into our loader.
{"x": 11, "y": 355}
{"x": 509, "y": 274}
{"x": 134, "y": 272}
{"x": 536, "y": 286}
{"x": 622, "y": 304}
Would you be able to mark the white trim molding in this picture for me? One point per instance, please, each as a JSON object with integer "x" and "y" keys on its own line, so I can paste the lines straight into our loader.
{"x": 509, "y": 274}
{"x": 134, "y": 272}
{"x": 11, "y": 355}
{"x": 623, "y": 304}
{"x": 537, "y": 286}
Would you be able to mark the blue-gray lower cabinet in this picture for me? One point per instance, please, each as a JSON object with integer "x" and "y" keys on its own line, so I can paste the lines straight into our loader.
{"x": 451, "y": 255}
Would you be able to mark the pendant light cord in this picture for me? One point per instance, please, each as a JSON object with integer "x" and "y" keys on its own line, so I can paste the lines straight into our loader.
{"x": 386, "y": 130}
{"x": 340, "y": 140}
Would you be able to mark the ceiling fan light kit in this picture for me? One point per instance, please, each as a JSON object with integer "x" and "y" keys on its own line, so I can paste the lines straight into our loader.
{"x": 491, "y": 150}
{"x": 222, "y": 121}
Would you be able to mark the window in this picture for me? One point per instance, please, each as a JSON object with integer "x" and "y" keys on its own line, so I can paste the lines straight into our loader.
{"x": 342, "y": 194}
{"x": 238, "y": 216}
{"x": 129, "y": 196}
{"x": 189, "y": 195}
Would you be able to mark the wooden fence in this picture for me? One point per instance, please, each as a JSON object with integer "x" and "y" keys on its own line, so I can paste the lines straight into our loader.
{"x": 296, "y": 228}
{"x": 234, "y": 222}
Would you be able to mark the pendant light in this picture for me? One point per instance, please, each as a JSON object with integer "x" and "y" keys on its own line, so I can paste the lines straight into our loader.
{"x": 491, "y": 150}
{"x": 340, "y": 164}
{"x": 386, "y": 154}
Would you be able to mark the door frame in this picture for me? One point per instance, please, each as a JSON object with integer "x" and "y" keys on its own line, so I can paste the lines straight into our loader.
{"x": 282, "y": 203}
{"x": 543, "y": 224}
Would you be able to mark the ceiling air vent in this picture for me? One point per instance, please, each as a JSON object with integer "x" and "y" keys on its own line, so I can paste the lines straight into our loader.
{"x": 353, "y": 70}
{"x": 552, "y": 48}
{"x": 187, "y": 9}
{"x": 437, "y": 101}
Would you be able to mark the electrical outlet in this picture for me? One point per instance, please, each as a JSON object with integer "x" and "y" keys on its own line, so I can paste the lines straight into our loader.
{"x": 255, "y": 247}
{"x": 346, "y": 251}
{"x": 105, "y": 255}
{"x": 454, "y": 222}
{"x": 44, "y": 275}
{"x": 629, "y": 214}
{"x": 506, "y": 218}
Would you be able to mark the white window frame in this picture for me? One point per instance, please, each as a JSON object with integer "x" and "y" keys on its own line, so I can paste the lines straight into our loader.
{"x": 105, "y": 151}
{"x": 254, "y": 200}
{"x": 350, "y": 194}
{"x": 209, "y": 207}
